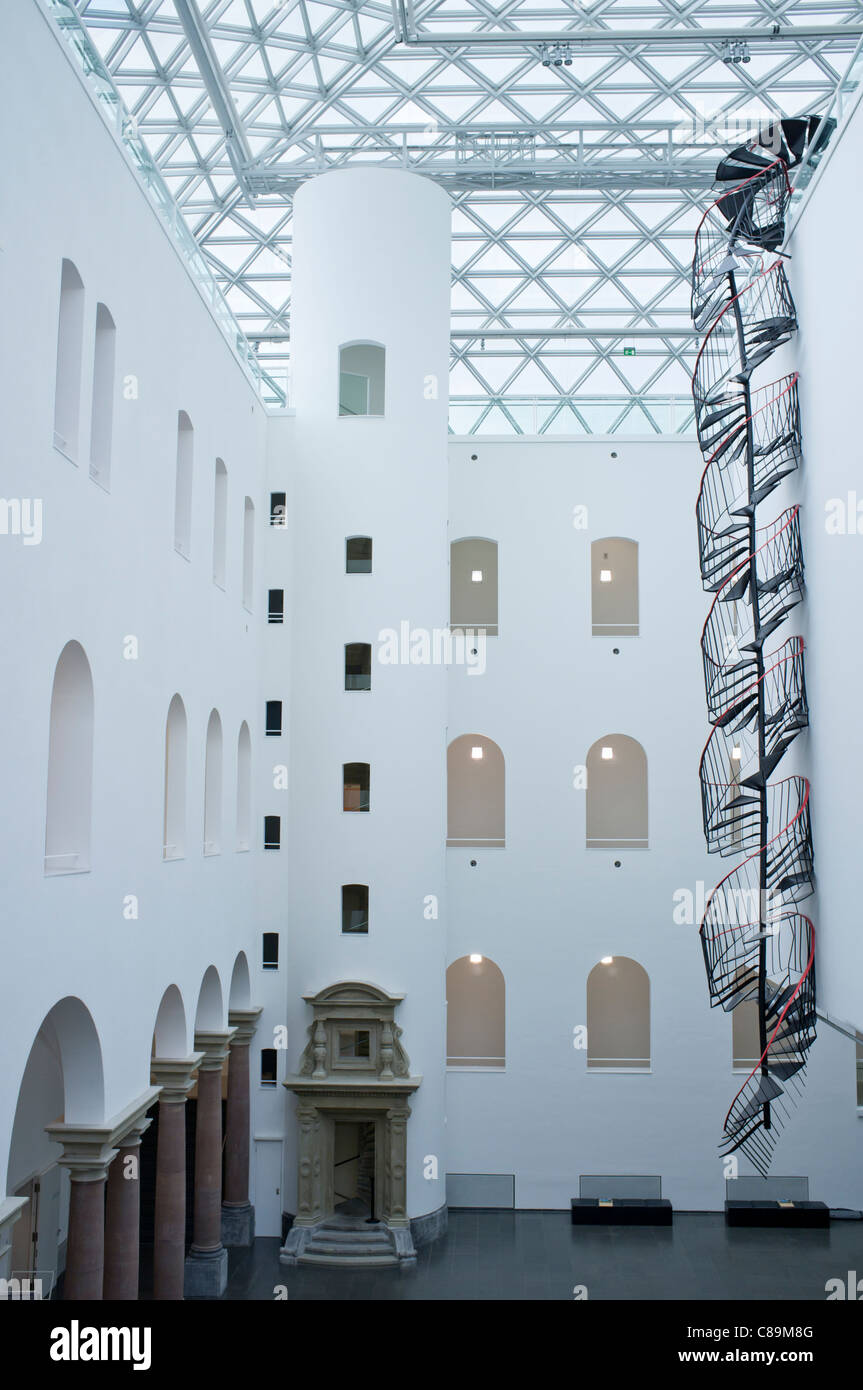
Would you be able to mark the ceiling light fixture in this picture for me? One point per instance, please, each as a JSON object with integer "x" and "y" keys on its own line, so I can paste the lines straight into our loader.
{"x": 735, "y": 51}
{"x": 555, "y": 55}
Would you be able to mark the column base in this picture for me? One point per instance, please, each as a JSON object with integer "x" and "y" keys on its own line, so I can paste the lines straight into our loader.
{"x": 238, "y": 1224}
{"x": 206, "y": 1276}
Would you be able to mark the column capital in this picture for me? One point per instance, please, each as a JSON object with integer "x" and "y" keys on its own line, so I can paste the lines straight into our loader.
{"x": 245, "y": 1024}
{"x": 175, "y": 1076}
{"x": 87, "y": 1149}
{"x": 214, "y": 1048}
{"x": 131, "y": 1122}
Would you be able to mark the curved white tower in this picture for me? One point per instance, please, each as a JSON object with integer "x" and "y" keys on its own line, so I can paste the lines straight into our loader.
{"x": 371, "y": 256}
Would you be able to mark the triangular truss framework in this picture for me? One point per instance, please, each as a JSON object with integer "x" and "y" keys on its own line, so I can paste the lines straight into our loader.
{"x": 569, "y": 295}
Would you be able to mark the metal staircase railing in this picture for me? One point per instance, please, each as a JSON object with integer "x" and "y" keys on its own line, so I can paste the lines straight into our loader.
{"x": 756, "y": 945}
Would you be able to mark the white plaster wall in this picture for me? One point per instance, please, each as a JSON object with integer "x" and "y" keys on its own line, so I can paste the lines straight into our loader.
{"x": 827, "y": 289}
{"x": 545, "y": 908}
{"x": 371, "y": 257}
{"x": 105, "y": 569}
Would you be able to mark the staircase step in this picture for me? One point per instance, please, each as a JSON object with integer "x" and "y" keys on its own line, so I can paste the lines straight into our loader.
{"x": 349, "y": 1261}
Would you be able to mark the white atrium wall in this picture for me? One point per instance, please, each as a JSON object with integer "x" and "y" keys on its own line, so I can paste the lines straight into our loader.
{"x": 545, "y": 908}
{"x": 106, "y": 571}
{"x": 826, "y": 288}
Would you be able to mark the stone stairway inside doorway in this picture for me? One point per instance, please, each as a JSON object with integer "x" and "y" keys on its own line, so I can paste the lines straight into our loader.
{"x": 347, "y": 1239}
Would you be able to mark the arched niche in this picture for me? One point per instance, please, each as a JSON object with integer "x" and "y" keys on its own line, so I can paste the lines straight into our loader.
{"x": 213, "y": 785}
{"x": 618, "y": 1016}
{"x": 170, "y": 1032}
{"x": 174, "y": 824}
{"x": 70, "y": 337}
{"x": 240, "y": 992}
{"x": 244, "y": 787}
{"x": 69, "y": 799}
{"x": 473, "y": 584}
{"x": 616, "y": 794}
{"x": 476, "y": 793}
{"x": 476, "y": 1013}
{"x": 614, "y": 587}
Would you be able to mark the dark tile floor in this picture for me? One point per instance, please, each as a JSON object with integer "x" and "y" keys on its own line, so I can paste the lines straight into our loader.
{"x": 540, "y": 1255}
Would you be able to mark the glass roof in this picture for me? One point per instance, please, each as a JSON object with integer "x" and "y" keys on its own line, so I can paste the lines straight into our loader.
{"x": 576, "y": 185}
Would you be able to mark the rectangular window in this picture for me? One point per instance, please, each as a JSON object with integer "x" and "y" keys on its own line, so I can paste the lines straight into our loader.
{"x": 269, "y": 1073}
{"x": 358, "y": 555}
{"x": 270, "y": 952}
{"x": 357, "y": 780}
{"x": 272, "y": 832}
{"x": 276, "y": 610}
{"x": 355, "y": 908}
{"x": 353, "y": 1044}
{"x": 274, "y": 718}
{"x": 278, "y": 509}
{"x": 358, "y": 666}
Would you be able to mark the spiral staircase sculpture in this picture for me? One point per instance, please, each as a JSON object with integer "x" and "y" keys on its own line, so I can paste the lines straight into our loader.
{"x": 757, "y": 946}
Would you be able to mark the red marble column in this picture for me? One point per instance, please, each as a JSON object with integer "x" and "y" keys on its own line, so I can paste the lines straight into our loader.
{"x": 237, "y": 1127}
{"x": 85, "y": 1245}
{"x": 122, "y": 1220}
{"x": 175, "y": 1076}
{"x": 207, "y": 1237}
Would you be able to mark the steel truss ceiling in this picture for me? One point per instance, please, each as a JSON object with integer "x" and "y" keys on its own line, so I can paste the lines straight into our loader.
{"x": 576, "y": 188}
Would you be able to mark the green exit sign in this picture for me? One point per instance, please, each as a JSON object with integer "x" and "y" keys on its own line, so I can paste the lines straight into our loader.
{"x": 629, "y": 352}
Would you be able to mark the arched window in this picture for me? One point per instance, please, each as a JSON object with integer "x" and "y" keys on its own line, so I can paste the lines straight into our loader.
{"x": 183, "y": 488}
{"x": 355, "y": 908}
{"x": 102, "y": 416}
{"x": 174, "y": 842}
{"x": 362, "y": 373}
{"x": 614, "y": 587}
{"x": 220, "y": 523}
{"x": 358, "y": 666}
{"x": 213, "y": 786}
{"x": 356, "y": 778}
{"x": 358, "y": 555}
{"x": 70, "y": 333}
{"x": 616, "y": 794}
{"x": 473, "y": 584}
{"x": 476, "y": 1013}
{"x": 248, "y": 552}
{"x": 244, "y": 788}
{"x": 70, "y": 765}
{"x": 476, "y": 792}
{"x": 618, "y": 1016}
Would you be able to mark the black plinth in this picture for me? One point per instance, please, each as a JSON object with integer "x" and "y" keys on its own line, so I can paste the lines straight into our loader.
{"x": 800, "y": 1215}
{"x": 623, "y": 1211}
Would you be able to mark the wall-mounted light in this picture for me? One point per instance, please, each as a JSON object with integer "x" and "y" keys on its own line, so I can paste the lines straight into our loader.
{"x": 476, "y": 753}
{"x": 475, "y": 960}
{"x": 735, "y": 753}
{"x": 607, "y": 960}
{"x": 607, "y": 754}
{"x": 476, "y": 576}
{"x": 605, "y": 576}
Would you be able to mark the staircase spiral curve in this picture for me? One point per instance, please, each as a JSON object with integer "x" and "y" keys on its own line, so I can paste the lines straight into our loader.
{"x": 758, "y": 947}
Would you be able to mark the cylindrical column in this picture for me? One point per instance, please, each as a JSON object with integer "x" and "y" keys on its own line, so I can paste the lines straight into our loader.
{"x": 238, "y": 1214}
{"x": 175, "y": 1076}
{"x": 207, "y": 1236}
{"x": 206, "y": 1273}
{"x": 169, "y": 1241}
{"x": 85, "y": 1245}
{"x": 370, "y": 353}
{"x": 122, "y": 1220}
